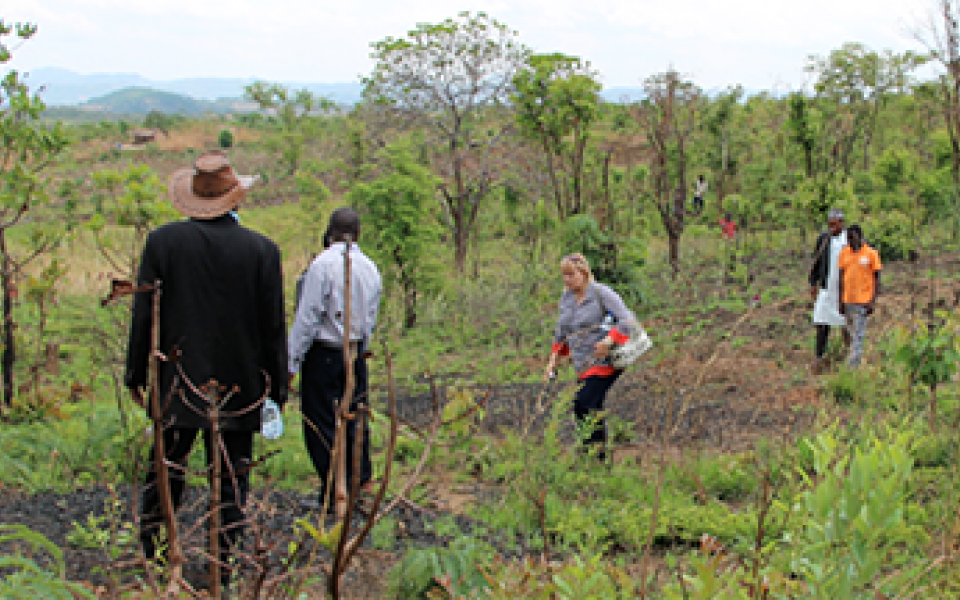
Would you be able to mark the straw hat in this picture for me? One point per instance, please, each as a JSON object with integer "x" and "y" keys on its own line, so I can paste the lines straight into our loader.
{"x": 210, "y": 189}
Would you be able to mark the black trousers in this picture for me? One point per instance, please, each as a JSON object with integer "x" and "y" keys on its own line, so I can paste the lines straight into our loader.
{"x": 589, "y": 400}
{"x": 233, "y": 489}
{"x": 322, "y": 381}
{"x": 823, "y": 336}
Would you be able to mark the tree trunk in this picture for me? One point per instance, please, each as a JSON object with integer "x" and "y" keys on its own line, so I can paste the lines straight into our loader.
{"x": 721, "y": 181}
{"x": 933, "y": 408}
{"x": 557, "y": 194}
{"x": 461, "y": 240}
{"x": 579, "y": 147}
{"x": 6, "y": 281}
{"x": 674, "y": 241}
{"x": 955, "y": 147}
{"x": 679, "y": 208}
{"x": 608, "y": 216}
{"x": 410, "y": 309}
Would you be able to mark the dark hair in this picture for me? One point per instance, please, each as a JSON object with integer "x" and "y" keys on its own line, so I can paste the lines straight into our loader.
{"x": 856, "y": 228}
{"x": 727, "y": 217}
{"x": 343, "y": 222}
{"x": 327, "y": 240}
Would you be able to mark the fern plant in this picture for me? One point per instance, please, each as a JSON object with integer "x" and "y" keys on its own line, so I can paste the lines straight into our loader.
{"x": 24, "y": 578}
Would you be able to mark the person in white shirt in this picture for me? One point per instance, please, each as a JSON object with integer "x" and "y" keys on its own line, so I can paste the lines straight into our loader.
{"x": 698, "y": 193}
{"x": 824, "y": 281}
{"x": 315, "y": 344}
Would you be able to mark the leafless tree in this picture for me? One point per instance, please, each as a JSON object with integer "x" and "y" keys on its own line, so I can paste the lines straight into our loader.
{"x": 940, "y": 34}
{"x": 668, "y": 116}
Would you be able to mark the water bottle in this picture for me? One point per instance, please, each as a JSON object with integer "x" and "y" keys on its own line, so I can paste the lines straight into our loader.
{"x": 608, "y": 322}
{"x": 271, "y": 420}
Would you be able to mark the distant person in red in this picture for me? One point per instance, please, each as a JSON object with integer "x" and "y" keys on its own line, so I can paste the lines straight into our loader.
{"x": 727, "y": 227}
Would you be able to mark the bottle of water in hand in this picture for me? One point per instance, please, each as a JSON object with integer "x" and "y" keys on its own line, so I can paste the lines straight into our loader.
{"x": 608, "y": 322}
{"x": 271, "y": 420}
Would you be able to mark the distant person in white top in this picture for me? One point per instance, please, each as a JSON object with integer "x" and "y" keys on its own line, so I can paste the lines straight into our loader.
{"x": 700, "y": 190}
{"x": 316, "y": 344}
{"x": 825, "y": 284}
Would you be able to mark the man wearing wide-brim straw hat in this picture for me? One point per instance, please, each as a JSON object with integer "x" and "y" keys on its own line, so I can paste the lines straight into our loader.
{"x": 221, "y": 315}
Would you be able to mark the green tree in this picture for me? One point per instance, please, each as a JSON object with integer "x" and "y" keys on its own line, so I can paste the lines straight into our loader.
{"x": 397, "y": 210}
{"x": 454, "y": 78}
{"x": 159, "y": 120}
{"x": 295, "y": 111}
{"x": 129, "y": 204}
{"x": 853, "y": 84}
{"x": 557, "y": 100}
{"x": 721, "y": 123}
{"x": 29, "y": 148}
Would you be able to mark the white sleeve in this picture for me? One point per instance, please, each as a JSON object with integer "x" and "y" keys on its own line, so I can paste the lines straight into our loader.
{"x": 306, "y": 323}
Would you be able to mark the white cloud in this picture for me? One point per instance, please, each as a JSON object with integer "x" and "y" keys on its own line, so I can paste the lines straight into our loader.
{"x": 753, "y": 42}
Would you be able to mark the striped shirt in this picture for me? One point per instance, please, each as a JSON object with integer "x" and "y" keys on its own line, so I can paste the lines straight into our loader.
{"x": 320, "y": 309}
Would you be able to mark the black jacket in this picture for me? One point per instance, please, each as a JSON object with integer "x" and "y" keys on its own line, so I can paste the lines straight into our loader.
{"x": 820, "y": 269}
{"x": 221, "y": 307}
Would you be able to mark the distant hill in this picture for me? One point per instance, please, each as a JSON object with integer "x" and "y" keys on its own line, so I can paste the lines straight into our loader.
{"x": 66, "y": 88}
{"x": 141, "y": 100}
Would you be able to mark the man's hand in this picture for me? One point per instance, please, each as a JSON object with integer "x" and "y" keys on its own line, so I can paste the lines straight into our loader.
{"x": 602, "y": 348}
{"x": 290, "y": 377}
{"x": 137, "y": 396}
{"x": 814, "y": 292}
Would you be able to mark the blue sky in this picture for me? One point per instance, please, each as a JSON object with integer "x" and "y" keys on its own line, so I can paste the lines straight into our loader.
{"x": 760, "y": 44}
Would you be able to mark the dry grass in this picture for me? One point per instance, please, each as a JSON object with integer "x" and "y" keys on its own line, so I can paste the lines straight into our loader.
{"x": 201, "y": 136}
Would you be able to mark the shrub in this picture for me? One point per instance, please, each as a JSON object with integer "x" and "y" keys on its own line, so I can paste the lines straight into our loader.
{"x": 614, "y": 260}
{"x": 848, "y": 519}
{"x": 225, "y": 139}
{"x": 455, "y": 569}
{"x": 845, "y": 387}
{"x": 890, "y": 233}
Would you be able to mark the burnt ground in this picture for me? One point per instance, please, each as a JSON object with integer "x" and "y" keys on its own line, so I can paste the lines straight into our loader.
{"x": 54, "y": 515}
{"x": 719, "y": 379}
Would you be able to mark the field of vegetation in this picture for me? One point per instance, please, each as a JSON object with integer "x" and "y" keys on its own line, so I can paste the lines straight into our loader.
{"x": 733, "y": 472}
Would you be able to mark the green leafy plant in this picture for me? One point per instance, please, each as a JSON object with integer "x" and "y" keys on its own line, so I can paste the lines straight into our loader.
{"x": 23, "y": 578}
{"x": 453, "y": 571}
{"x": 931, "y": 356}
{"x": 573, "y": 579}
{"x": 105, "y": 532}
{"x": 855, "y": 501}
{"x": 398, "y": 207}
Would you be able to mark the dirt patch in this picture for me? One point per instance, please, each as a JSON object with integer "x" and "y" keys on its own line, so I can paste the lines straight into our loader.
{"x": 53, "y": 515}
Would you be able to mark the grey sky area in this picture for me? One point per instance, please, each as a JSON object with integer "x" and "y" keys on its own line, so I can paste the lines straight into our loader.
{"x": 761, "y": 44}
